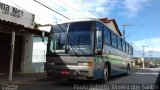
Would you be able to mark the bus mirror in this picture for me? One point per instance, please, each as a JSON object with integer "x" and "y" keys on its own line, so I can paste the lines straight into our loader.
{"x": 43, "y": 36}
{"x": 98, "y": 34}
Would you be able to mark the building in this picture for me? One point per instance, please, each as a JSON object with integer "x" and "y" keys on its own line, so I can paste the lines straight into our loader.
{"x": 111, "y": 23}
{"x": 19, "y": 24}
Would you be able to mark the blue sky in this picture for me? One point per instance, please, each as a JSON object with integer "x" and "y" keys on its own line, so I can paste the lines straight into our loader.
{"x": 143, "y": 13}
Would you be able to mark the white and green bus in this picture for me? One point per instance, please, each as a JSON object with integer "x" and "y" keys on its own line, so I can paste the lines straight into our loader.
{"x": 86, "y": 49}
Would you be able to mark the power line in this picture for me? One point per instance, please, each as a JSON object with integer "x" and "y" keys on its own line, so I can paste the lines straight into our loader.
{"x": 51, "y": 9}
{"x": 16, "y": 5}
{"x": 70, "y": 7}
{"x": 124, "y": 31}
{"x": 83, "y": 5}
{"x": 91, "y": 11}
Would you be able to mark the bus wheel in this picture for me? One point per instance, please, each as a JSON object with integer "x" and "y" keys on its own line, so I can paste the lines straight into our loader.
{"x": 128, "y": 70}
{"x": 105, "y": 74}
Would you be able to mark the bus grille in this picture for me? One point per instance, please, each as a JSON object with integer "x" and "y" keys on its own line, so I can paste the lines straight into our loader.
{"x": 66, "y": 64}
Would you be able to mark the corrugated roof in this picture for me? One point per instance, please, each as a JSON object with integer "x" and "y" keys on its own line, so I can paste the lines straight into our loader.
{"x": 33, "y": 31}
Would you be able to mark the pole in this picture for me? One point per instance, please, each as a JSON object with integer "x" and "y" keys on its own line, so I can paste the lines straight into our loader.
{"x": 124, "y": 32}
{"x": 150, "y": 54}
{"x": 143, "y": 57}
{"x": 124, "y": 27}
{"x": 11, "y": 57}
{"x": 149, "y": 57}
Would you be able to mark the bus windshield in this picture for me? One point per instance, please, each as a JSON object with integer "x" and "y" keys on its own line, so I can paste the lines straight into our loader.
{"x": 71, "y": 38}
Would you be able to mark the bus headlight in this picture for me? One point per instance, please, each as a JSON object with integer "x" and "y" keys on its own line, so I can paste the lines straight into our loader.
{"x": 85, "y": 64}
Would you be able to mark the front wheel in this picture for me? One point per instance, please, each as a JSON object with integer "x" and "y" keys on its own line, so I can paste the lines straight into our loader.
{"x": 106, "y": 74}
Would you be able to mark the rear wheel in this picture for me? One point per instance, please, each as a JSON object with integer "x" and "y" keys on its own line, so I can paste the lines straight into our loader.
{"x": 128, "y": 70}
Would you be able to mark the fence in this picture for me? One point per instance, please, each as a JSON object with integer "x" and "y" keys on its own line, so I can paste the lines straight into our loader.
{"x": 38, "y": 59}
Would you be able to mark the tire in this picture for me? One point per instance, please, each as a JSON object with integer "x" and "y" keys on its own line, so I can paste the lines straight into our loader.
{"x": 128, "y": 70}
{"x": 106, "y": 74}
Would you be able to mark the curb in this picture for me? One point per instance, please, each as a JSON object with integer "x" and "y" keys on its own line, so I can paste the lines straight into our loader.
{"x": 25, "y": 81}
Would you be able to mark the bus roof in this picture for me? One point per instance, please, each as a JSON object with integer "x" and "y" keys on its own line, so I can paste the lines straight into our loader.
{"x": 76, "y": 20}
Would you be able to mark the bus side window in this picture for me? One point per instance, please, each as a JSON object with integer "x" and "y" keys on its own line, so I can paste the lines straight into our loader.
{"x": 119, "y": 43}
{"x": 123, "y": 45}
{"x": 114, "y": 40}
{"x": 107, "y": 36}
{"x": 126, "y": 47}
{"x": 131, "y": 50}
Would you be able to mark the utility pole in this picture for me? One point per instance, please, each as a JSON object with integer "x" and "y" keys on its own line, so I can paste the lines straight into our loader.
{"x": 143, "y": 56}
{"x": 124, "y": 27}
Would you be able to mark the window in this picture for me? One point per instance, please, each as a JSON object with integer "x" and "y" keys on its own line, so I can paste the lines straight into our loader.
{"x": 123, "y": 45}
{"x": 107, "y": 35}
{"x": 99, "y": 34}
{"x": 79, "y": 33}
{"x": 66, "y": 38}
{"x": 119, "y": 43}
{"x": 126, "y": 47}
{"x": 100, "y": 26}
{"x": 129, "y": 49}
{"x": 114, "y": 40}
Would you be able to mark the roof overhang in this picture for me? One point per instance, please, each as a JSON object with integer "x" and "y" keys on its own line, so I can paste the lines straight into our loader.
{"x": 15, "y": 27}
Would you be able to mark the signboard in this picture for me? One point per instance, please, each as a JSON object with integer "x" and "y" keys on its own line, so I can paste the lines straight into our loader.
{"x": 16, "y": 15}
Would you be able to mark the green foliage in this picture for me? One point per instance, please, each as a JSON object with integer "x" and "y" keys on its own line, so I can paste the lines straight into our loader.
{"x": 36, "y": 25}
{"x": 157, "y": 61}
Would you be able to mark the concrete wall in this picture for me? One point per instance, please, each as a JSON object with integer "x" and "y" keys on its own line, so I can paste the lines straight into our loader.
{"x": 27, "y": 53}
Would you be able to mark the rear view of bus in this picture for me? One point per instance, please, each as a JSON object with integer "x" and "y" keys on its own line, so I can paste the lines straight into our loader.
{"x": 70, "y": 50}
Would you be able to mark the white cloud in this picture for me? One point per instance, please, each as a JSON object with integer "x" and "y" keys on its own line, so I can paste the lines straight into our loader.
{"x": 70, "y": 8}
{"x": 132, "y": 7}
{"x": 77, "y": 8}
{"x": 152, "y": 43}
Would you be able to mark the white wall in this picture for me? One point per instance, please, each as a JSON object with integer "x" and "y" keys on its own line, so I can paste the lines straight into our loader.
{"x": 27, "y": 53}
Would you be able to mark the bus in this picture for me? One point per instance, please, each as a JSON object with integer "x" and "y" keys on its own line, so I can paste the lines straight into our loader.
{"x": 86, "y": 49}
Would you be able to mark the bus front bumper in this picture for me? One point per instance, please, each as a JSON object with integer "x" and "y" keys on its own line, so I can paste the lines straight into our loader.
{"x": 69, "y": 71}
